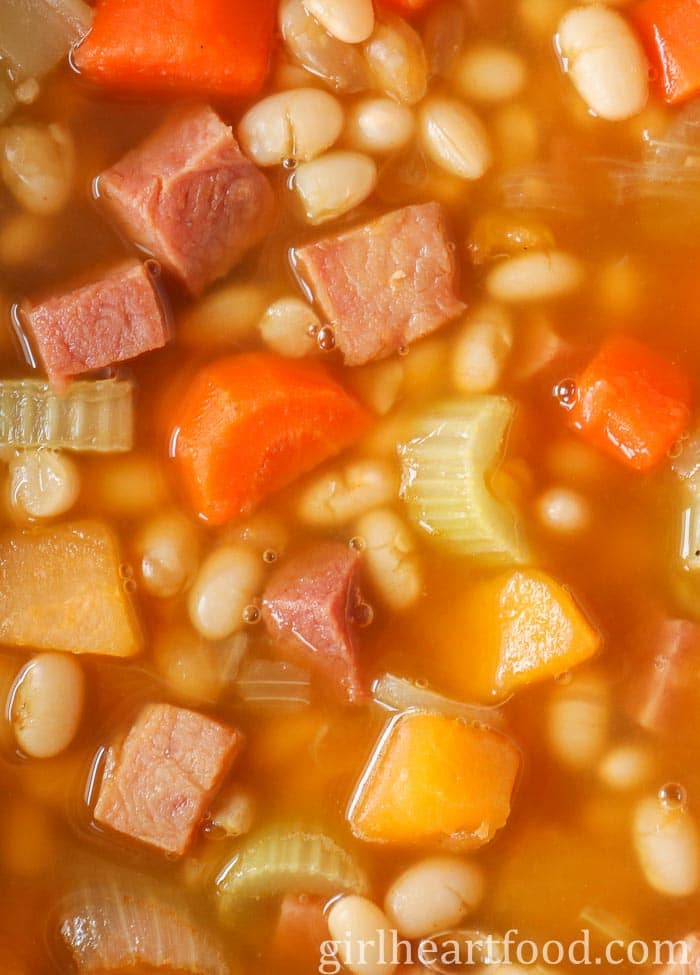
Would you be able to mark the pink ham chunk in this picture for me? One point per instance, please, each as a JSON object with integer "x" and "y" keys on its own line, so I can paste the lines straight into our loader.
{"x": 190, "y": 197}
{"x": 117, "y": 318}
{"x": 158, "y": 781}
{"x": 308, "y": 608}
{"x": 384, "y": 284}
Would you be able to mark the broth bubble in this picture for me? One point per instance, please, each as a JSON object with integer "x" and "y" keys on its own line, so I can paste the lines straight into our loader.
{"x": 673, "y": 796}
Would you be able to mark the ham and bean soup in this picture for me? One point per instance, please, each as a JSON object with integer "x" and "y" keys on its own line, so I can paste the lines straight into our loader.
{"x": 350, "y": 487}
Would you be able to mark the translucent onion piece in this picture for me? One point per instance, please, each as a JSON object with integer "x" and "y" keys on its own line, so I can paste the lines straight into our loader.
{"x": 340, "y": 64}
{"x": 690, "y": 527}
{"x": 540, "y": 188}
{"x": 286, "y": 860}
{"x": 273, "y": 683}
{"x": 678, "y": 149}
{"x": 36, "y": 34}
{"x": 105, "y": 928}
{"x": 89, "y": 416}
{"x": 444, "y": 476}
{"x": 403, "y": 695}
{"x": 7, "y": 98}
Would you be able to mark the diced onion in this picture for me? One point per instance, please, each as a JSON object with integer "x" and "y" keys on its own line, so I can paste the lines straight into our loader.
{"x": 89, "y": 416}
{"x": 402, "y": 695}
{"x": 36, "y": 34}
{"x": 272, "y": 683}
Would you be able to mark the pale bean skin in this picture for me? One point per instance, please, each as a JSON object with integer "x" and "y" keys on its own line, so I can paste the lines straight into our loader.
{"x": 391, "y": 558}
{"x": 168, "y": 549}
{"x": 341, "y": 65}
{"x": 298, "y": 124}
{"x": 578, "y": 720}
{"x": 334, "y": 184}
{"x": 342, "y": 494}
{"x": 397, "y": 60}
{"x": 289, "y": 326}
{"x": 605, "y": 61}
{"x": 351, "y": 21}
{"x": 43, "y": 483}
{"x": 536, "y": 276}
{"x": 563, "y": 511}
{"x": 666, "y": 842}
{"x": 626, "y": 767}
{"x": 490, "y": 73}
{"x": 434, "y": 895}
{"x": 38, "y": 166}
{"x": 226, "y": 583}
{"x": 379, "y": 126}
{"x": 378, "y": 384}
{"x": 355, "y": 923}
{"x": 47, "y": 704}
{"x": 225, "y": 316}
{"x": 454, "y": 137}
{"x": 481, "y": 349}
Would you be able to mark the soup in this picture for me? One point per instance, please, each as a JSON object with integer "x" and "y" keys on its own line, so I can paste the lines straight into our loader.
{"x": 349, "y": 603}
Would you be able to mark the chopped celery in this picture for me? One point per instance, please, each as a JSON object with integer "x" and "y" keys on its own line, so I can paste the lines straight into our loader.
{"x": 402, "y": 695}
{"x": 288, "y": 860}
{"x": 445, "y": 470}
{"x": 36, "y": 34}
{"x": 89, "y": 416}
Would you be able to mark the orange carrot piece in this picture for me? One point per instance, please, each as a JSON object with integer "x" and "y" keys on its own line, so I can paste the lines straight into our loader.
{"x": 435, "y": 778}
{"x": 249, "y": 425}
{"x": 670, "y": 32}
{"x": 632, "y": 403}
{"x": 511, "y": 630}
{"x": 196, "y": 47}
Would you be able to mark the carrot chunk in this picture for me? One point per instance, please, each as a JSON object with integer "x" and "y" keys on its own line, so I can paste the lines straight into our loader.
{"x": 248, "y": 425}
{"x": 514, "y": 629}
{"x": 632, "y": 403}
{"x": 670, "y": 32}
{"x": 197, "y": 47}
{"x": 435, "y": 778}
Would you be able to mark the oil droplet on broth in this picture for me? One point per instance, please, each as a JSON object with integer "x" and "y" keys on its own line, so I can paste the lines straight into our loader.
{"x": 325, "y": 338}
{"x": 673, "y": 796}
{"x": 357, "y": 543}
{"x": 566, "y": 393}
{"x": 269, "y": 556}
{"x": 251, "y": 614}
{"x": 362, "y": 614}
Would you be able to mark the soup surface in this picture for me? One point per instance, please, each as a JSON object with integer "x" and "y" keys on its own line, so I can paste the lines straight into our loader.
{"x": 351, "y": 498}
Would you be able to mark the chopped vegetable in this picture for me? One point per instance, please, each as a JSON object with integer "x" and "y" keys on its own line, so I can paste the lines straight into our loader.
{"x": 89, "y": 416}
{"x": 7, "y": 98}
{"x": 285, "y": 860}
{"x": 511, "y": 630}
{"x": 670, "y": 31}
{"x": 273, "y": 683}
{"x": 249, "y": 425}
{"x": 197, "y": 47}
{"x": 632, "y": 403}
{"x": 61, "y": 589}
{"x": 402, "y": 695}
{"x": 36, "y": 34}
{"x": 433, "y": 777}
{"x": 445, "y": 474}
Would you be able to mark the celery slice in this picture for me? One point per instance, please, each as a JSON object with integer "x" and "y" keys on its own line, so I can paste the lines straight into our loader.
{"x": 288, "y": 860}
{"x": 444, "y": 481}
{"x": 89, "y": 416}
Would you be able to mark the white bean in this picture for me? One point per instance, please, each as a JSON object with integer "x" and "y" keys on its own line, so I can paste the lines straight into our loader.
{"x": 379, "y": 126}
{"x": 578, "y": 720}
{"x": 391, "y": 559}
{"x": 289, "y": 326}
{"x": 536, "y": 276}
{"x": 298, "y": 124}
{"x": 563, "y": 510}
{"x": 397, "y": 60}
{"x": 38, "y": 166}
{"x": 43, "y": 483}
{"x": 264, "y": 533}
{"x": 337, "y": 496}
{"x": 605, "y": 61}
{"x": 351, "y": 21}
{"x": 226, "y": 583}
{"x": 454, "y": 137}
{"x": 666, "y": 842}
{"x": 490, "y": 73}
{"x": 23, "y": 238}
{"x": 626, "y": 767}
{"x": 47, "y": 704}
{"x": 481, "y": 348}
{"x": 340, "y": 64}
{"x": 359, "y": 929}
{"x": 378, "y": 384}
{"x": 167, "y": 548}
{"x": 234, "y": 812}
{"x": 434, "y": 895}
{"x": 333, "y": 184}
{"x": 225, "y": 316}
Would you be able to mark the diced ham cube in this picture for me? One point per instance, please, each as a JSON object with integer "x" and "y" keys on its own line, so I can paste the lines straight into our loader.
{"x": 117, "y": 318}
{"x": 159, "y": 780}
{"x": 308, "y": 607}
{"x": 190, "y": 197}
{"x": 666, "y": 676}
{"x": 301, "y": 930}
{"x": 686, "y": 957}
{"x": 384, "y": 284}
